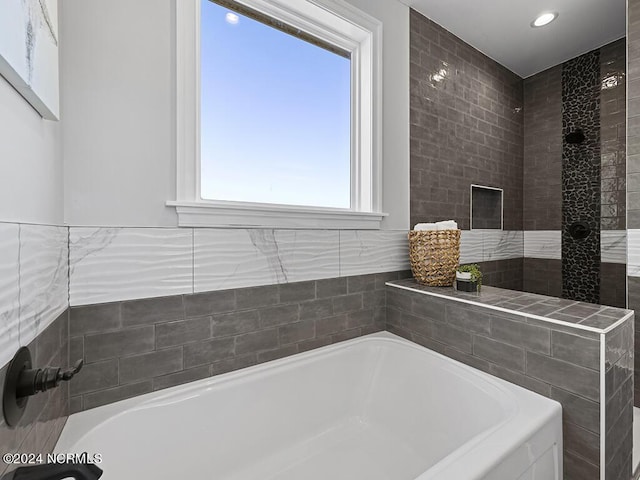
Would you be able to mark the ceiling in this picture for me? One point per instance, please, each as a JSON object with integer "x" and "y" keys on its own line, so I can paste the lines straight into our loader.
{"x": 501, "y": 28}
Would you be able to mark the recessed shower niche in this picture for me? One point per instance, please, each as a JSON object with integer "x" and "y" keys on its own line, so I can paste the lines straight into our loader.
{"x": 486, "y": 207}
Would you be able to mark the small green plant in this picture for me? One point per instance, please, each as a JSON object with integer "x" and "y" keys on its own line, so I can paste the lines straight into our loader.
{"x": 476, "y": 274}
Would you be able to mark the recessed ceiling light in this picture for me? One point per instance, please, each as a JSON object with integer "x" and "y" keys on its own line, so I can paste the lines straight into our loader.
{"x": 544, "y": 19}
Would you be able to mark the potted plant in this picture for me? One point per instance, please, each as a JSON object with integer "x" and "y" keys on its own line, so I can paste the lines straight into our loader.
{"x": 468, "y": 278}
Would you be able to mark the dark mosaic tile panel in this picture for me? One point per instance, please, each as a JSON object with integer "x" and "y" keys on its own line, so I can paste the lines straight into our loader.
{"x": 210, "y": 333}
{"x": 466, "y": 127}
{"x": 561, "y": 362}
{"x": 46, "y": 413}
{"x": 581, "y": 177}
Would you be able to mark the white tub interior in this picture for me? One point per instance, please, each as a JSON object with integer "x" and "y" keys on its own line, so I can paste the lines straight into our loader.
{"x": 371, "y": 408}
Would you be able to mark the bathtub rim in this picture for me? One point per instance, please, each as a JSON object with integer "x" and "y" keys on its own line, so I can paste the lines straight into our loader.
{"x": 181, "y": 392}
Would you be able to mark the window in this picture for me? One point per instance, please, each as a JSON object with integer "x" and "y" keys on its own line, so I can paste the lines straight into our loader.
{"x": 278, "y": 114}
{"x": 275, "y": 116}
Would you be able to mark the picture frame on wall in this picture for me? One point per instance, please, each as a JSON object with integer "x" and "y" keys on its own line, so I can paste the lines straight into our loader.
{"x": 29, "y": 52}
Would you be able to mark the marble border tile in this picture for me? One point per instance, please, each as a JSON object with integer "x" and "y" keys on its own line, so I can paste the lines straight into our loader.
{"x": 502, "y": 244}
{"x": 232, "y": 258}
{"x": 366, "y": 251}
{"x": 471, "y": 246}
{"x": 44, "y": 278}
{"x": 543, "y": 244}
{"x": 110, "y": 264}
{"x": 613, "y": 246}
{"x": 9, "y": 291}
{"x": 633, "y": 249}
{"x": 489, "y": 245}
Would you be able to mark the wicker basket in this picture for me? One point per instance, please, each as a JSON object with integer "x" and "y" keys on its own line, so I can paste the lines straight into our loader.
{"x": 434, "y": 256}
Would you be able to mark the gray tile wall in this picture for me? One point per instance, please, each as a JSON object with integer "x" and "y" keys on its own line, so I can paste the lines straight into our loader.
{"x": 634, "y": 304}
{"x": 549, "y": 359}
{"x": 633, "y": 158}
{"x": 543, "y": 143}
{"x": 466, "y": 127}
{"x": 46, "y": 413}
{"x": 543, "y": 167}
{"x": 135, "y": 347}
{"x": 544, "y": 276}
{"x": 613, "y": 284}
{"x": 619, "y": 398}
{"x": 613, "y": 135}
{"x": 543, "y": 150}
{"x": 633, "y": 114}
{"x": 503, "y": 273}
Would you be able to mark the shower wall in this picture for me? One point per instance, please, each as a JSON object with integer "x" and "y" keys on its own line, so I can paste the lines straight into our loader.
{"x": 466, "y": 128}
{"x": 565, "y": 183}
{"x": 475, "y": 122}
{"x": 633, "y": 176}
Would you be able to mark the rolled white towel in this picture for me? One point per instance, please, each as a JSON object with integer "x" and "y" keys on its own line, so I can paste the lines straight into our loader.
{"x": 447, "y": 225}
{"x": 425, "y": 226}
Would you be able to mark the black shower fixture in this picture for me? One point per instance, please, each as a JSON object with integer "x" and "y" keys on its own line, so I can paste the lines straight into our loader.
{"x": 579, "y": 230}
{"x": 21, "y": 381}
{"x": 575, "y": 137}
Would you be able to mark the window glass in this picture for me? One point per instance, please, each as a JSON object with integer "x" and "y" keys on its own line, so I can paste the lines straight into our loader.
{"x": 275, "y": 114}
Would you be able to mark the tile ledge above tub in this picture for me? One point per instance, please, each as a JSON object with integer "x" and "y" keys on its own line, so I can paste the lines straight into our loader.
{"x": 574, "y": 314}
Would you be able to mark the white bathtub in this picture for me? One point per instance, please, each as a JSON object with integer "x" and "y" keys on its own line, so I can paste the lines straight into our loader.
{"x": 377, "y": 407}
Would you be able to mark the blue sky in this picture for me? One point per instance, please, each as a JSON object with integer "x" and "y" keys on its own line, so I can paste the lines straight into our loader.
{"x": 275, "y": 117}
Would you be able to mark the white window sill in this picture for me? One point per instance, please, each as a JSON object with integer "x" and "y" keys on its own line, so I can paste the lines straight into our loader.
{"x": 256, "y": 215}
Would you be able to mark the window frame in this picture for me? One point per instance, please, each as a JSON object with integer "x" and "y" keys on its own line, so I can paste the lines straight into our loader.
{"x": 332, "y": 21}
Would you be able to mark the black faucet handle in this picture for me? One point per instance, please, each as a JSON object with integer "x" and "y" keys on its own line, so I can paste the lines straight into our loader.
{"x": 68, "y": 374}
{"x": 53, "y": 471}
{"x": 32, "y": 381}
{"x": 21, "y": 381}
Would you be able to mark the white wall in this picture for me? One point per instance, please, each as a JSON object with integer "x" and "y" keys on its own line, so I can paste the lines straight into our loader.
{"x": 395, "y": 169}
{"x": 33, "y": 250}
{"x": 31, "y": 177}
{"x": 118, "y": 106}
{"x": 116, "y": 64}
